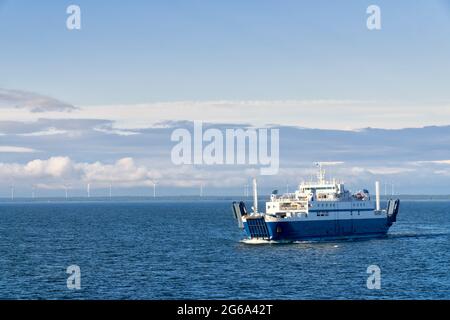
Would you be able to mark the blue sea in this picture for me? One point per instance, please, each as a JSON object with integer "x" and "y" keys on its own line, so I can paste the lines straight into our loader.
{"x": 191, "y": 249}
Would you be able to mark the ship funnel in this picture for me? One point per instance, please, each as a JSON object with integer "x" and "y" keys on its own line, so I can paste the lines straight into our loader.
{"x": 377, "y": 194}
{"x": 255, "y": 196}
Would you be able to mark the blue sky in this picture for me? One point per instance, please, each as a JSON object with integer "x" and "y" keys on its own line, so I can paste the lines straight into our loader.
{"x": 76, "y": 105}
{"x": 144, "y": 51}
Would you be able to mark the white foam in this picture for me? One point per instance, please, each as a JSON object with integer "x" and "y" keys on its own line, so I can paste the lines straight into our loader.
{"x": 255, "y": 241}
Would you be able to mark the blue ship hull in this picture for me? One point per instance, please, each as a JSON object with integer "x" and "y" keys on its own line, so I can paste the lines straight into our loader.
{"x": 271, "y": 227}
{"x": 310, "y": 230}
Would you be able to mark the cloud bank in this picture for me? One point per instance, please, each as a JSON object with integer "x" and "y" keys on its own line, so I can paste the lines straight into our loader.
{"x": 47, "y": 142}
{"x": 32, "y": 102}
{"x": 320, "y": 114}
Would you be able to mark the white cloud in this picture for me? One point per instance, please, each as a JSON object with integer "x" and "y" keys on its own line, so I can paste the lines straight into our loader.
{"x": 331, "y": 163}
{"x": 51, "y": 172}
{"x": 389, "y": 170}
{"x": 116, "y": 132}
{"x": 49, "y": 132}
{"x": 13, "y": 149}
{"x": 36, "y": 103}
{"x": 55, "y": 172}
{"x": 442, "y": 172}
{"x": 435, "y": 162}
{"x": 321, "y": 114}
{"x": 123, "y": 171}
{"x": 55, "y": 167}
{"x": 381, "y": 170}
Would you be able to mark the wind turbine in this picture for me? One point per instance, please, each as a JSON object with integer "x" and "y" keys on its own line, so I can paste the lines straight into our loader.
{"x": 110, "y": 191}
{"x": 33, "y": 195}
{"x": 12, "y": 192}
{"x": 201, "y": 190}
{"x": 88, "y": 190}
{"x": 66, "y": 190}
{"x": 154, "y": 182}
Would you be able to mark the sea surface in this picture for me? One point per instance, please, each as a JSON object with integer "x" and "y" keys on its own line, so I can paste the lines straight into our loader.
{"x": 191, "y": 249}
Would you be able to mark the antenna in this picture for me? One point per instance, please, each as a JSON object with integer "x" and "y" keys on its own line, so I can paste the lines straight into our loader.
{"x": 88, "y": 190}
{"x": 12, "y": 192}
{"x": 201, "y": 190}
{"x": 110, "y": 191}
{"x": 321, "y": 173}
{"x": 246, "y": 191}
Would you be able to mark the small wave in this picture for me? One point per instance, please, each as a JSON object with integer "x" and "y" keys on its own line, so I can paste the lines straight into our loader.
{"x": 417, "y": 235}
{"x": 310, "y": 241}
{"x": 391, "y": 236}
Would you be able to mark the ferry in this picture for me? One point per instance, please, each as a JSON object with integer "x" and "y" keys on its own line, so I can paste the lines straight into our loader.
{"x": 320, "y": 210}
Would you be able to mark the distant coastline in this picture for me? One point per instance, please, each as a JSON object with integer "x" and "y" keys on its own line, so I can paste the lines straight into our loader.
{"x": 191, "y": 198}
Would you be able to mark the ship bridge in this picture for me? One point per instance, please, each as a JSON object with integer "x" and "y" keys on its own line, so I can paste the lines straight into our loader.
{"x": 310, "y": 194}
